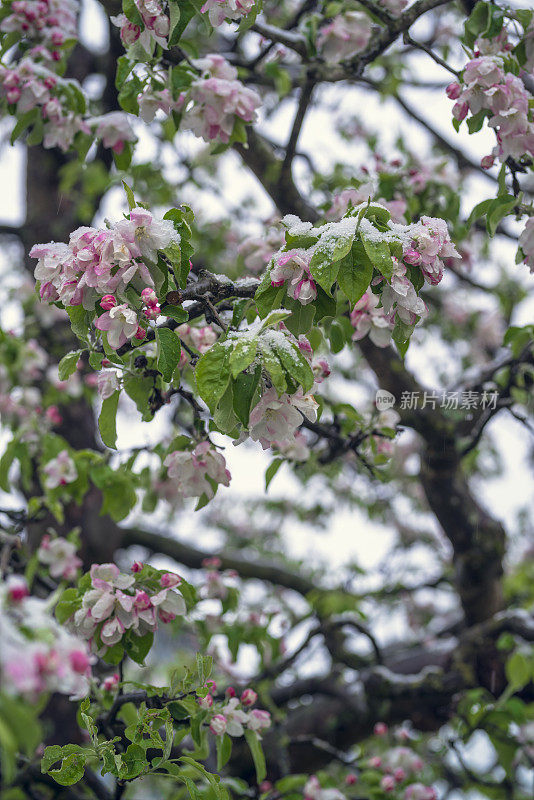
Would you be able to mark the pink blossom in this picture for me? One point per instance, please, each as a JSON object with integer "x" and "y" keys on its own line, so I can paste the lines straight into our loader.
{"x": 274, "y": 419}
{"x": 60, "y": 557}
{"x": 346, "y": 35}
{"x": 107, "y": 383}
{"x": 191, "y": 469}
{"x": 526, "y": 242}
{"x": 120, "y": 324}
{"x": 258, "y": 720}
{"x": 219, "y": 10}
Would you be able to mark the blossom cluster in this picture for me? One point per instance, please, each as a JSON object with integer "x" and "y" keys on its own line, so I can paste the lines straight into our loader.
{"x": 156, "y": 26}
{"x": 232, "y": 716}
{"x": 488, "y": 87}
{"x": 98, "y": 265}
{"x": 38, "y": 655}
{"x": 194, "y": 472}
{"x": 116, "y": 602}
{"x": 344, "y": 36}
{"x": 216, "y": 100}
{"x": 421, "y": 246}
{"x": 49, "y": 23}
{"x": 221, "y": 10}
{"x": 29, "y": 85}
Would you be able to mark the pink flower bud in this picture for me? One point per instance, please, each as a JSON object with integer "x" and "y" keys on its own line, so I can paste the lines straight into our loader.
{"x": 79, "y": 661}
{"x": 459, "y": 111}
{"x": 265, "y": 786}
{"x": 375, "y": 762}
{"x": 149, "y": 295}
{"x": 168, "y": 580}
{"x": 218, "y": 725}
{"x": 453, "y": 91}
{"x": 387, "y": 783}
{"x": 230, "y": 692}
{"x": 111, "y": 682}
{"x": 351, "y": 779}
{"x": 249, "y": 697}
{"x": 53, "y": 415}
{"x": 137, "y": 566}
{"x": 487, "y": 162}
{"x": 412, "y": 257}
{"x": 205, "y": 702}
{"x": 380, "y": 729}
{"x": 140, "y": 333}
{"x": 399, "y": 774}
{"x": 106, "y": 362}
{"x": 108, "y": 302}
{"x": 18, "y": 590}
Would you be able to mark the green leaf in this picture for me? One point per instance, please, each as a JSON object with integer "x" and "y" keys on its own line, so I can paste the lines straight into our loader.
{"x": 56, "y": 753}
{"x": 243, "y": 390}
{"x": 257, "y": 755}
{"x": 223, "y": 745}
{"x": 138, "y": 647}
{"x": 273, "y": 365}
{"x": 79, "y": 321}
{"x": 68, "y": 603}
{"x": 501, "y": 207}
{"x": 518, "y": 670}
{"x": 243, "y": 354}
{"x": 129, "y": 194}
{"x": 67, "y": 365}
{"x": 271, "y": 471}
{"x": 379, "y": 255}
{"x": 139, "y": 389}
{"x": 355, "y": 272}
{"x": 169, "y": 350}
{"x": 213, "y": 374}
{"x": 107, "y": 421}
{"x": 295, "y": 364}
{"x": 323, "y": 269}
{"x": 274, "y": 317}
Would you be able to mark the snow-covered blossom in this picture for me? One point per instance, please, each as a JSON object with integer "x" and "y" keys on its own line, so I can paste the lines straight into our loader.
{"x": 38, "y": 655}
{"x": 129, "y": 31}
{"x": 430, "y": 244}
{"x": 191, "y": 469}
{"x": 157, "y": 23}
{"x": 60, "y": 471}
{"x": 218, "y": 99}
{"x": 346, "y": 35}
{"x": 219, "y": 10}
{"x": 60, "y": 557}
